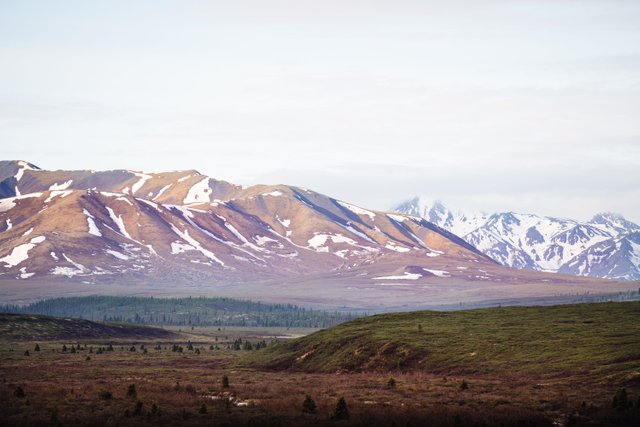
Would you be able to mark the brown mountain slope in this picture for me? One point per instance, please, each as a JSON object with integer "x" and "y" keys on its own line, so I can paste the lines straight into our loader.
{"x": 180, "y": 228}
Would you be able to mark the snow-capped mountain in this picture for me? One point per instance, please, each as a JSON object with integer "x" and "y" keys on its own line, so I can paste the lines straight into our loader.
{"x": 184, "y": 233}
{"x": 101, "y": 226}
{"x": 606, "y": 246}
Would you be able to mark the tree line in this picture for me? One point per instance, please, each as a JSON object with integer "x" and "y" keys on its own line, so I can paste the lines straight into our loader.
{"x": 187, "y": 311}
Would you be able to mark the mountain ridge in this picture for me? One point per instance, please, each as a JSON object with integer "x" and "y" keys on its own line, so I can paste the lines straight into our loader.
{"x": 181, "y": 233}
{"x": 542, "y": 243}
{"x": 127, "y": 214}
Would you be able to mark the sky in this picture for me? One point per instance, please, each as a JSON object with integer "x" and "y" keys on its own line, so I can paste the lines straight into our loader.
{"x": 521, "y": 105}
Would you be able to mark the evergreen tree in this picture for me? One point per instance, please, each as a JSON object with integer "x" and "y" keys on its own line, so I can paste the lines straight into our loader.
{"x": 621, "y": 400}
{"x": 106, "y": 395}
{"x": 225, "y": 381}
{"x": 341, "y": 412}
{"x": 131, "y": 391}
{"x": 308, "y": 405}
{"x": 19, "y": 392}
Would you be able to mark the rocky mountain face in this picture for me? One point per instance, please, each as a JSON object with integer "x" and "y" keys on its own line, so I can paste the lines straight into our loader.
{"x": 183, "y": 226}
{"x": 607, "y": 246}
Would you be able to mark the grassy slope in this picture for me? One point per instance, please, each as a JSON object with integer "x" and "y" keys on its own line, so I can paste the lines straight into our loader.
{"x": 37, "y": 327}
{"x": 583, "y": 339}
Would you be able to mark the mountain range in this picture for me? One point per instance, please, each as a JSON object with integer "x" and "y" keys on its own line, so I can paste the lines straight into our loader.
{"x": 135, "y": 232}
{"x": 607, "y": 246}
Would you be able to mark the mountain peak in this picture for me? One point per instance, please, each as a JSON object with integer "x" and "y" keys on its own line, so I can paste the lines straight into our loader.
{"x": 539, "y": 242}
{"x": 607, "y": 216}
{"x": 614, "y": 220}
{"x": 19, "y": 164}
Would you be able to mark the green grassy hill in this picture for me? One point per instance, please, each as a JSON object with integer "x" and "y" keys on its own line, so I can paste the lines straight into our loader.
{"x": 36, "y": 327}
{"x": 601, "y": 339}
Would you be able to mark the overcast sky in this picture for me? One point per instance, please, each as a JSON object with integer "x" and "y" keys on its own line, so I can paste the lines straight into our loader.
{"x": 531, "y": 106}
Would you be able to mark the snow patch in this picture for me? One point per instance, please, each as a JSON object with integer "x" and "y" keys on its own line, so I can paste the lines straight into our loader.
{"x": 261, "y": 240}
{"x": 349, "y": 228}
{"x": 186, "y": 237}
{"x": 394, "y": 247}
{"x": 318, "y": 240}
{"x": 9, "y": 202}
{"x": 68, "y": 271}
{"x": 56, "y": 193}
{"x": 23, "y": 167}
{"x": 93, "y": 228}
{"x": 397, "y": 218}
{"x": 285, "y": 222}
{"x": 405, "y": 276}
{"x": 235, "y": 232}
{"x": 117, "y": 254}
{"x": 439, "y": 273}
{"x": 24, "y": 274}
{"x": 199, "y": 193}
{"x": 119, "y": 222}
{"x": 357, "y": 210}
{"x": 62, "y": 186}
{"x": 138, "y": 185}
{"x": 162, "y": 190}
{"x": 179, "y": 247}
{"x": 21, "y": 252}
{"x": 124, "y": 199}
{"x": 38, "y": 239}
{"x": 150, "y": 203}
{"x": 318, "y": 243}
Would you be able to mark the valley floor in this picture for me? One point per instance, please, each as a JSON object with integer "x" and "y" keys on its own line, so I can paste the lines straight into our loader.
{"x": 351, "y": 295}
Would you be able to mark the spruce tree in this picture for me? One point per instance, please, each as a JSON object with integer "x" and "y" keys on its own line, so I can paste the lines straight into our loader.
{"x": 131, "y": 391}
{"x": 308, "y": 405}
{"x": 341, "y": 412}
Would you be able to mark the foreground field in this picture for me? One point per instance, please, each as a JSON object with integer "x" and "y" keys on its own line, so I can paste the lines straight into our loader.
{"x": 542, "y": 373}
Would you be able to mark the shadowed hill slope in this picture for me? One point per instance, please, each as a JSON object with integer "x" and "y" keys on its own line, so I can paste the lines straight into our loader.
{"x": 46, "y": 328}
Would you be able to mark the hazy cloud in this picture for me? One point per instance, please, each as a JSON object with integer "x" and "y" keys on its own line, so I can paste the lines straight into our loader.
{"x": 516, "y": 105}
